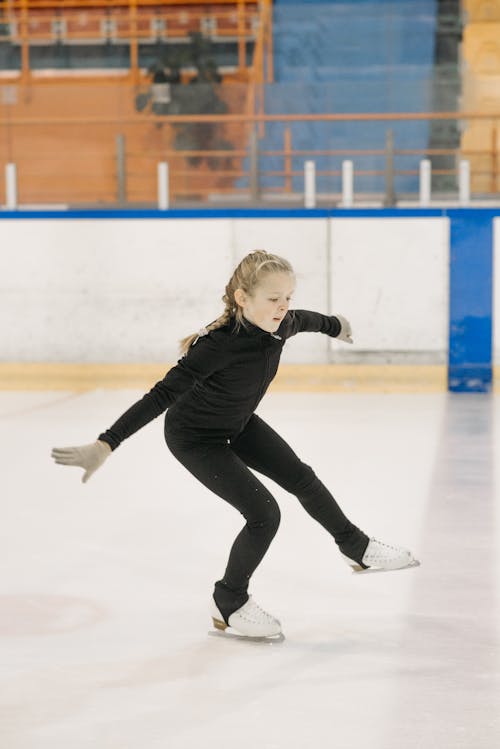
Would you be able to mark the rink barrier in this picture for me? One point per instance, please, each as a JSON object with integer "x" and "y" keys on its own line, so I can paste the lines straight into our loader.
{"x": 310, "y": 378}
{"x": 470, "y": 277}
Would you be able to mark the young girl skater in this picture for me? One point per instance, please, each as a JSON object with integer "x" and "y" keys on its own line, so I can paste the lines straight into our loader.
{"x": 211, "y": 427}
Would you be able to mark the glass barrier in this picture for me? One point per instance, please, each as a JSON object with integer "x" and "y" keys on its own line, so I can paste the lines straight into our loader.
{"x": 97, "y": 144}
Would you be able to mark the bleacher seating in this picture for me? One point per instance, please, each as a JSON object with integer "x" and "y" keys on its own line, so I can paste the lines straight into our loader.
{"x": 352, "y": 56}
{"x": 64, "y": 36}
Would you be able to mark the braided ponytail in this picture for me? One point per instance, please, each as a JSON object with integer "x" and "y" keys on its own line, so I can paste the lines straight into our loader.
{"x": 246, "y": 276}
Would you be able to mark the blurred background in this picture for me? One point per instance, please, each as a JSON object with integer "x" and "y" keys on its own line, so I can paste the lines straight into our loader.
{"x": 236, "y": 95}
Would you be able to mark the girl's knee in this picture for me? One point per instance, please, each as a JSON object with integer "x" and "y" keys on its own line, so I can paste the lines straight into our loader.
{"x": 268, "y": 520}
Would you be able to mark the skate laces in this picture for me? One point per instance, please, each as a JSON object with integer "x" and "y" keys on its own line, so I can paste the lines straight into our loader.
{"x": 381, "y": 548}
{"x": 252, "y": 608}
{"x": 387, "y": 546}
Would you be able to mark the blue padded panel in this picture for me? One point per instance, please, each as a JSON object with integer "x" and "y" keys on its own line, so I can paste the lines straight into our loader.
{"x": 351, "y": 57}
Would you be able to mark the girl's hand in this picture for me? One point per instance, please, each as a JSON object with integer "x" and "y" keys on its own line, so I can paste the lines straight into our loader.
{"x": 90, "y": 457}
{"x": 345, "y": 329}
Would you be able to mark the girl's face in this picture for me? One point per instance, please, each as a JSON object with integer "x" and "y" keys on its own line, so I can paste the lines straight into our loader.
{"x": 269, "y": 302}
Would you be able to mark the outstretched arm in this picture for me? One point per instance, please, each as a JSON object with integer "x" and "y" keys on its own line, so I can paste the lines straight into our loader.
{"x": 306, "y": 321}
{"x": 202, "y": 359}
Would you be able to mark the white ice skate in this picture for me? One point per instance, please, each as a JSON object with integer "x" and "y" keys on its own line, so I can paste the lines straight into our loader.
{"x": 380, "y": 557}
{"x": 248, "y": 622}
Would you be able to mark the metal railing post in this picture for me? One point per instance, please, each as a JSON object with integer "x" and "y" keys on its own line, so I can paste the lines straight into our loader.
{"x": 163, "y": 186}
{"x": 242, "y": 47}
{"x": 121, "y": 170}
{"x": 11, "y": 187}
{"x": 425, "y": 182}
{"x": 134, "y": 43}
{"x": 254, "y": 165}
{"x": 25, "y": 42}
{"x": 464, "y": 182}
{"x": 390, "y": 195}
{"x": 309, "y": 184}
{"x": 287, "y": 150}
{"x": 347, "y": 184}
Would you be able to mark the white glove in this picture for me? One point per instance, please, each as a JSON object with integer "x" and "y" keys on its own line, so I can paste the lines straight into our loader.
{"x": 345, "y": 330}
{"x": 90, "y": 457}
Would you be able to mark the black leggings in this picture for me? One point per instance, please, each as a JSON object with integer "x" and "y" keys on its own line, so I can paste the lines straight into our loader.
{"x": 223, "y": 468}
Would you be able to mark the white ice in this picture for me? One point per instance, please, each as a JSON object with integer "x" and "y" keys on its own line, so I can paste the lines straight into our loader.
{"x": 105, "y": 586}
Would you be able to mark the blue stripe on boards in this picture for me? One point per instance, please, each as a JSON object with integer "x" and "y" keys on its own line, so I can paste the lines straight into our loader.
{"x": 471, "y": 302}
{"x": 97, "y": 213}
{"x": 176, "y": 213}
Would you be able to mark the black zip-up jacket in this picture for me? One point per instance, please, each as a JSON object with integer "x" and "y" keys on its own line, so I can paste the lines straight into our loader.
{"x": 216, "y": 386}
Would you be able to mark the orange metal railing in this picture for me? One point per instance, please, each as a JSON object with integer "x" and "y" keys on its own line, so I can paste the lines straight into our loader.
{"x": 72, "y": 159}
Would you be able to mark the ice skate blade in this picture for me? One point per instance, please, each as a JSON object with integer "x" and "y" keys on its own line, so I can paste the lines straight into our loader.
{"x": 231, "y": 634}
{"x": 357, "y": 570}
{"x": 219, "y": 624}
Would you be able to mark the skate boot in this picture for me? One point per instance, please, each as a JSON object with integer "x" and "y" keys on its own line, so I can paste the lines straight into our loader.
{"x": 380, "y": 557}
{"x": 248, "y": 621}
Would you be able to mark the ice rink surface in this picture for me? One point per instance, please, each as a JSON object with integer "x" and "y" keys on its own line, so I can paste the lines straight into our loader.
{"x": 105, "y": 587}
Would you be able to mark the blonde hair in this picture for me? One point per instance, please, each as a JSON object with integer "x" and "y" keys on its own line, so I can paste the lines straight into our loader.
{"x": 247, "y": 276}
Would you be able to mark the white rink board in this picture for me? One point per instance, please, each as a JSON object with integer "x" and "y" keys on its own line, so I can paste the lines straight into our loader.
{"x": 125, "y": 290}
{"x": 389, "y": 276}
{"x": 109, "y": 290}
{"x": 496, "y": 291}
